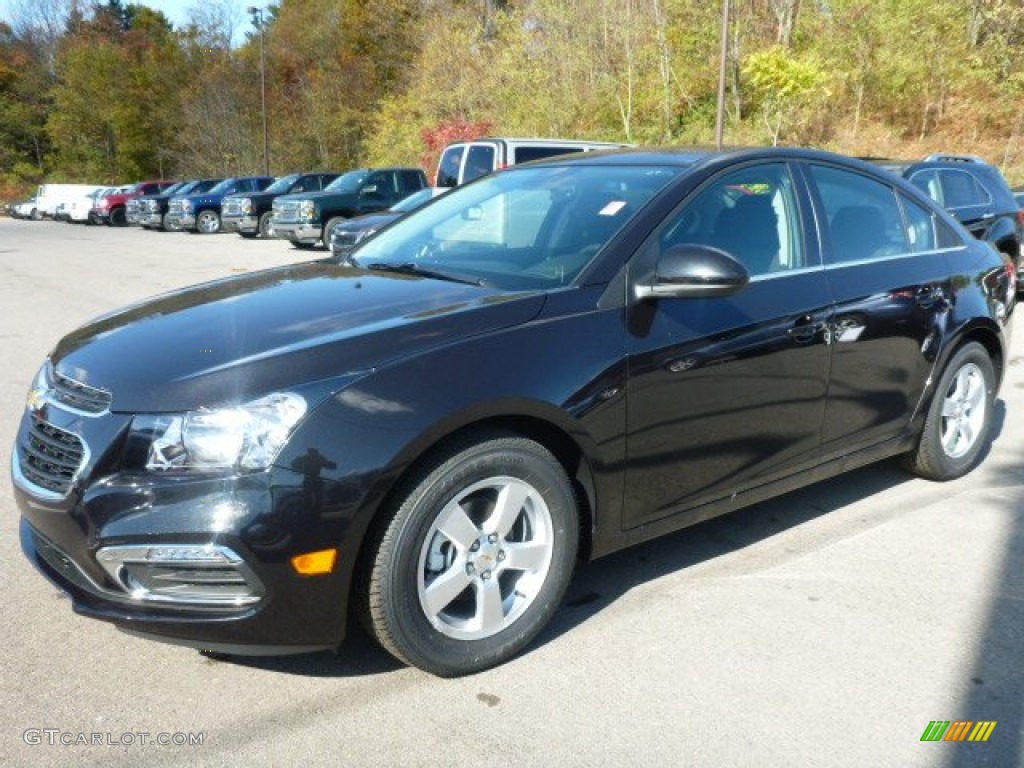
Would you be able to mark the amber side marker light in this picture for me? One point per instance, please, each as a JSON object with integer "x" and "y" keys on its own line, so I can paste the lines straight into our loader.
{"x": 315, "y": 563}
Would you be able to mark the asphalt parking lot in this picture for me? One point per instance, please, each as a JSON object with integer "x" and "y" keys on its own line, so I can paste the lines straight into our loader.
{"x": 826, "y": 628}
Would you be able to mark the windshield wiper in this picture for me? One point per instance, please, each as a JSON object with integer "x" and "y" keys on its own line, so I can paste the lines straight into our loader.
{"x": 412, "y": 268}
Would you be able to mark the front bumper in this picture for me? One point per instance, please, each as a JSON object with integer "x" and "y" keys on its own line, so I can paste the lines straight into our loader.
{"x": 175, "y": 220}
{"x": 264, "y": 518}
{"x": 243, "y": 223}
{"x": 297, "y": 231}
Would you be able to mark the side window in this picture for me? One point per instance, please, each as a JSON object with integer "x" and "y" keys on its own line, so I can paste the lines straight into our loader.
{"x": 526, "y": 154}
{"x": 410, "y": 182}
{"x": 448, "y": 168}
{"x": 751, "y": 214}
{"x": 961, "y": 190}
{"x": 863, "y": 215}
{"x": 479, "y": 162}
{"x": 920, "y": 226}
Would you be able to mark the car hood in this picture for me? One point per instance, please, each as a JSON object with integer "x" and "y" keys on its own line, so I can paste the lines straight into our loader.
{"x": 242, "y": 337}
{"x": 316, "y": 195}
{"x": 369, "y": 221}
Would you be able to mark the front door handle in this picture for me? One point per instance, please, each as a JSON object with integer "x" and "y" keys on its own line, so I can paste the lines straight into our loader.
{"x": 805, "y": 329}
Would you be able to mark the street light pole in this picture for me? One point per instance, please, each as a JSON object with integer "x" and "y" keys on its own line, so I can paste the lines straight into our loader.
{"x": 260, "y": 24}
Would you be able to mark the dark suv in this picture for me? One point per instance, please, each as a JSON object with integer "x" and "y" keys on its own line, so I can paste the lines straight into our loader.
{"x": 977, "y": 195}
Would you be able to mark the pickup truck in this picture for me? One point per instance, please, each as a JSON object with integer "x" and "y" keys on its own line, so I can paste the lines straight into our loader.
{"x": 155, "y": 214}
{"x": 137, "y": 207}
{"x": 307, "y": 218}
{"x": 112, "y": 209}
{"x": 250, "y": 214}
{"x": 201, "y": 212}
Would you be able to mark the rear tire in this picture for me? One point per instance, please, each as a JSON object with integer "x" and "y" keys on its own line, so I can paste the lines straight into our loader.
{"x": 475, "y": 559}
{"x": 958, "y": 426}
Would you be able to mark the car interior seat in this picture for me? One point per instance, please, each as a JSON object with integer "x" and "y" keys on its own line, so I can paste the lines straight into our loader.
{"x": 858, "y": 232}
{"x": 750, "y": 232}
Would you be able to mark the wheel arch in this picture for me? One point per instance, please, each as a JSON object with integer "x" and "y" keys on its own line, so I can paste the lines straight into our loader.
{"x": 566, "y": 448}
{"x": 988, "y": 336}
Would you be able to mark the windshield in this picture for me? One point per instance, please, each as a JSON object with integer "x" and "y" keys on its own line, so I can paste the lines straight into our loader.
{"x": 204, "y": 186}
{"x": 520, "y": 229}
{"x": 283, "y": 184}
{"x": 173, "y": 188}
{"x": 221, "y": 186}
{"x": 347, "y": 182}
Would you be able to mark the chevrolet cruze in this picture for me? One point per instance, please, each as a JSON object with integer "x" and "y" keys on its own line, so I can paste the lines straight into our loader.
{"x": 546, "y": 365}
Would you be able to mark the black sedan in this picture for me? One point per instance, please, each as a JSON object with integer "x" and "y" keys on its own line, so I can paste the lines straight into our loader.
{"x": 350, "y": 233}
{"x": 550, "y": 363}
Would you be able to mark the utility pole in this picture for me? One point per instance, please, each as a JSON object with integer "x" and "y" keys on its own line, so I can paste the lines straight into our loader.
{"x": 259, "y": 22}
{"x": 723, "y": 58}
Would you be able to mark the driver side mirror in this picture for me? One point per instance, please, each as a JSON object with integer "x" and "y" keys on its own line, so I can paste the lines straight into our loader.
{"x": 369, "y": 189}
{"x": 694, "y": 271}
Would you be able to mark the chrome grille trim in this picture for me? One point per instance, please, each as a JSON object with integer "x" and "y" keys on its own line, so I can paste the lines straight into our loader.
{"x": 46, "y": 464}
{"x": 78, "y": 397}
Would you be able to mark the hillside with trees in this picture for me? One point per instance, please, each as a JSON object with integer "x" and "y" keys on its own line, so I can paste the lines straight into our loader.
{"x": 111, "y": 92}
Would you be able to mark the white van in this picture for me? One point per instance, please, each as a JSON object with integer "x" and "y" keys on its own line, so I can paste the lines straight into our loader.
{"x": 463, "y": 161}
{"x": 50, "y": 196}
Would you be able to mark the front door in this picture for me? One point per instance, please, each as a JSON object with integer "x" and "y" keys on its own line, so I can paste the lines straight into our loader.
{"x": 728, "y": 393}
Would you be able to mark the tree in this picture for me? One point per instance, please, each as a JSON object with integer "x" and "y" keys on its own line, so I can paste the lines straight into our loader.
{"x": 784, "y": 87}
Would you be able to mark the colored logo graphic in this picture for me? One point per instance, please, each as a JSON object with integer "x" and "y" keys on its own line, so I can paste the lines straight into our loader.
{"x": 958, "y": 730}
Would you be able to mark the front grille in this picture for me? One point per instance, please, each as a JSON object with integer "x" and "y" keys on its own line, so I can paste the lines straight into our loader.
{"x": 176, "y": 207}
{"x": 286, "y": 211}
{"x": 79, "y": 396}
{"x": 152, "y": 206}
{"x": 232, "y": 208}
{"x": 50, "y": 457}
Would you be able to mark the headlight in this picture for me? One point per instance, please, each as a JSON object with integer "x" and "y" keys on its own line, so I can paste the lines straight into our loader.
{"x": 186, "y": 205}
{"x": 247, "y": 436}
{"x": 307, "y": 209}
{"x": 245, "y": 204}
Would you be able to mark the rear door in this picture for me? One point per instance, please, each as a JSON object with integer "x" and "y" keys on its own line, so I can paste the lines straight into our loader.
{"x": 890, "y": 281}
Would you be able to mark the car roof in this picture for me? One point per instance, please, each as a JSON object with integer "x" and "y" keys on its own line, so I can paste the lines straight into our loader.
{"x": 689, "y": 156}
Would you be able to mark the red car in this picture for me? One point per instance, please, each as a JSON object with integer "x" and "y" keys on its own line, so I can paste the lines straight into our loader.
{"x": 110, "y": 209}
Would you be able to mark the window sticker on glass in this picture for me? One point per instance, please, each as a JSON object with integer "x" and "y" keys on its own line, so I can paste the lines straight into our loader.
{"x": 612, "y": 208}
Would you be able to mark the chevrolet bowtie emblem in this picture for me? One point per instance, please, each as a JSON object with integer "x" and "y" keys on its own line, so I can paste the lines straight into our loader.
{"x": 36, "y": 398}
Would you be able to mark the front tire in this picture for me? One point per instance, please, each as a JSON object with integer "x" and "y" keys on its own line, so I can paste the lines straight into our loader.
{"x": 208, "y": 222}
{"x": 329, "y": 228}
{"x": 267, "y": 225}
{"x": 476, "y": 558}
{"x": 958, "y": 425}
{"x": 118, "y": 218}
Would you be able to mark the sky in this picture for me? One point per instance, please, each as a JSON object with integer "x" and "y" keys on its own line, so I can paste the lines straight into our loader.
{"x": 175, "y": 10}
